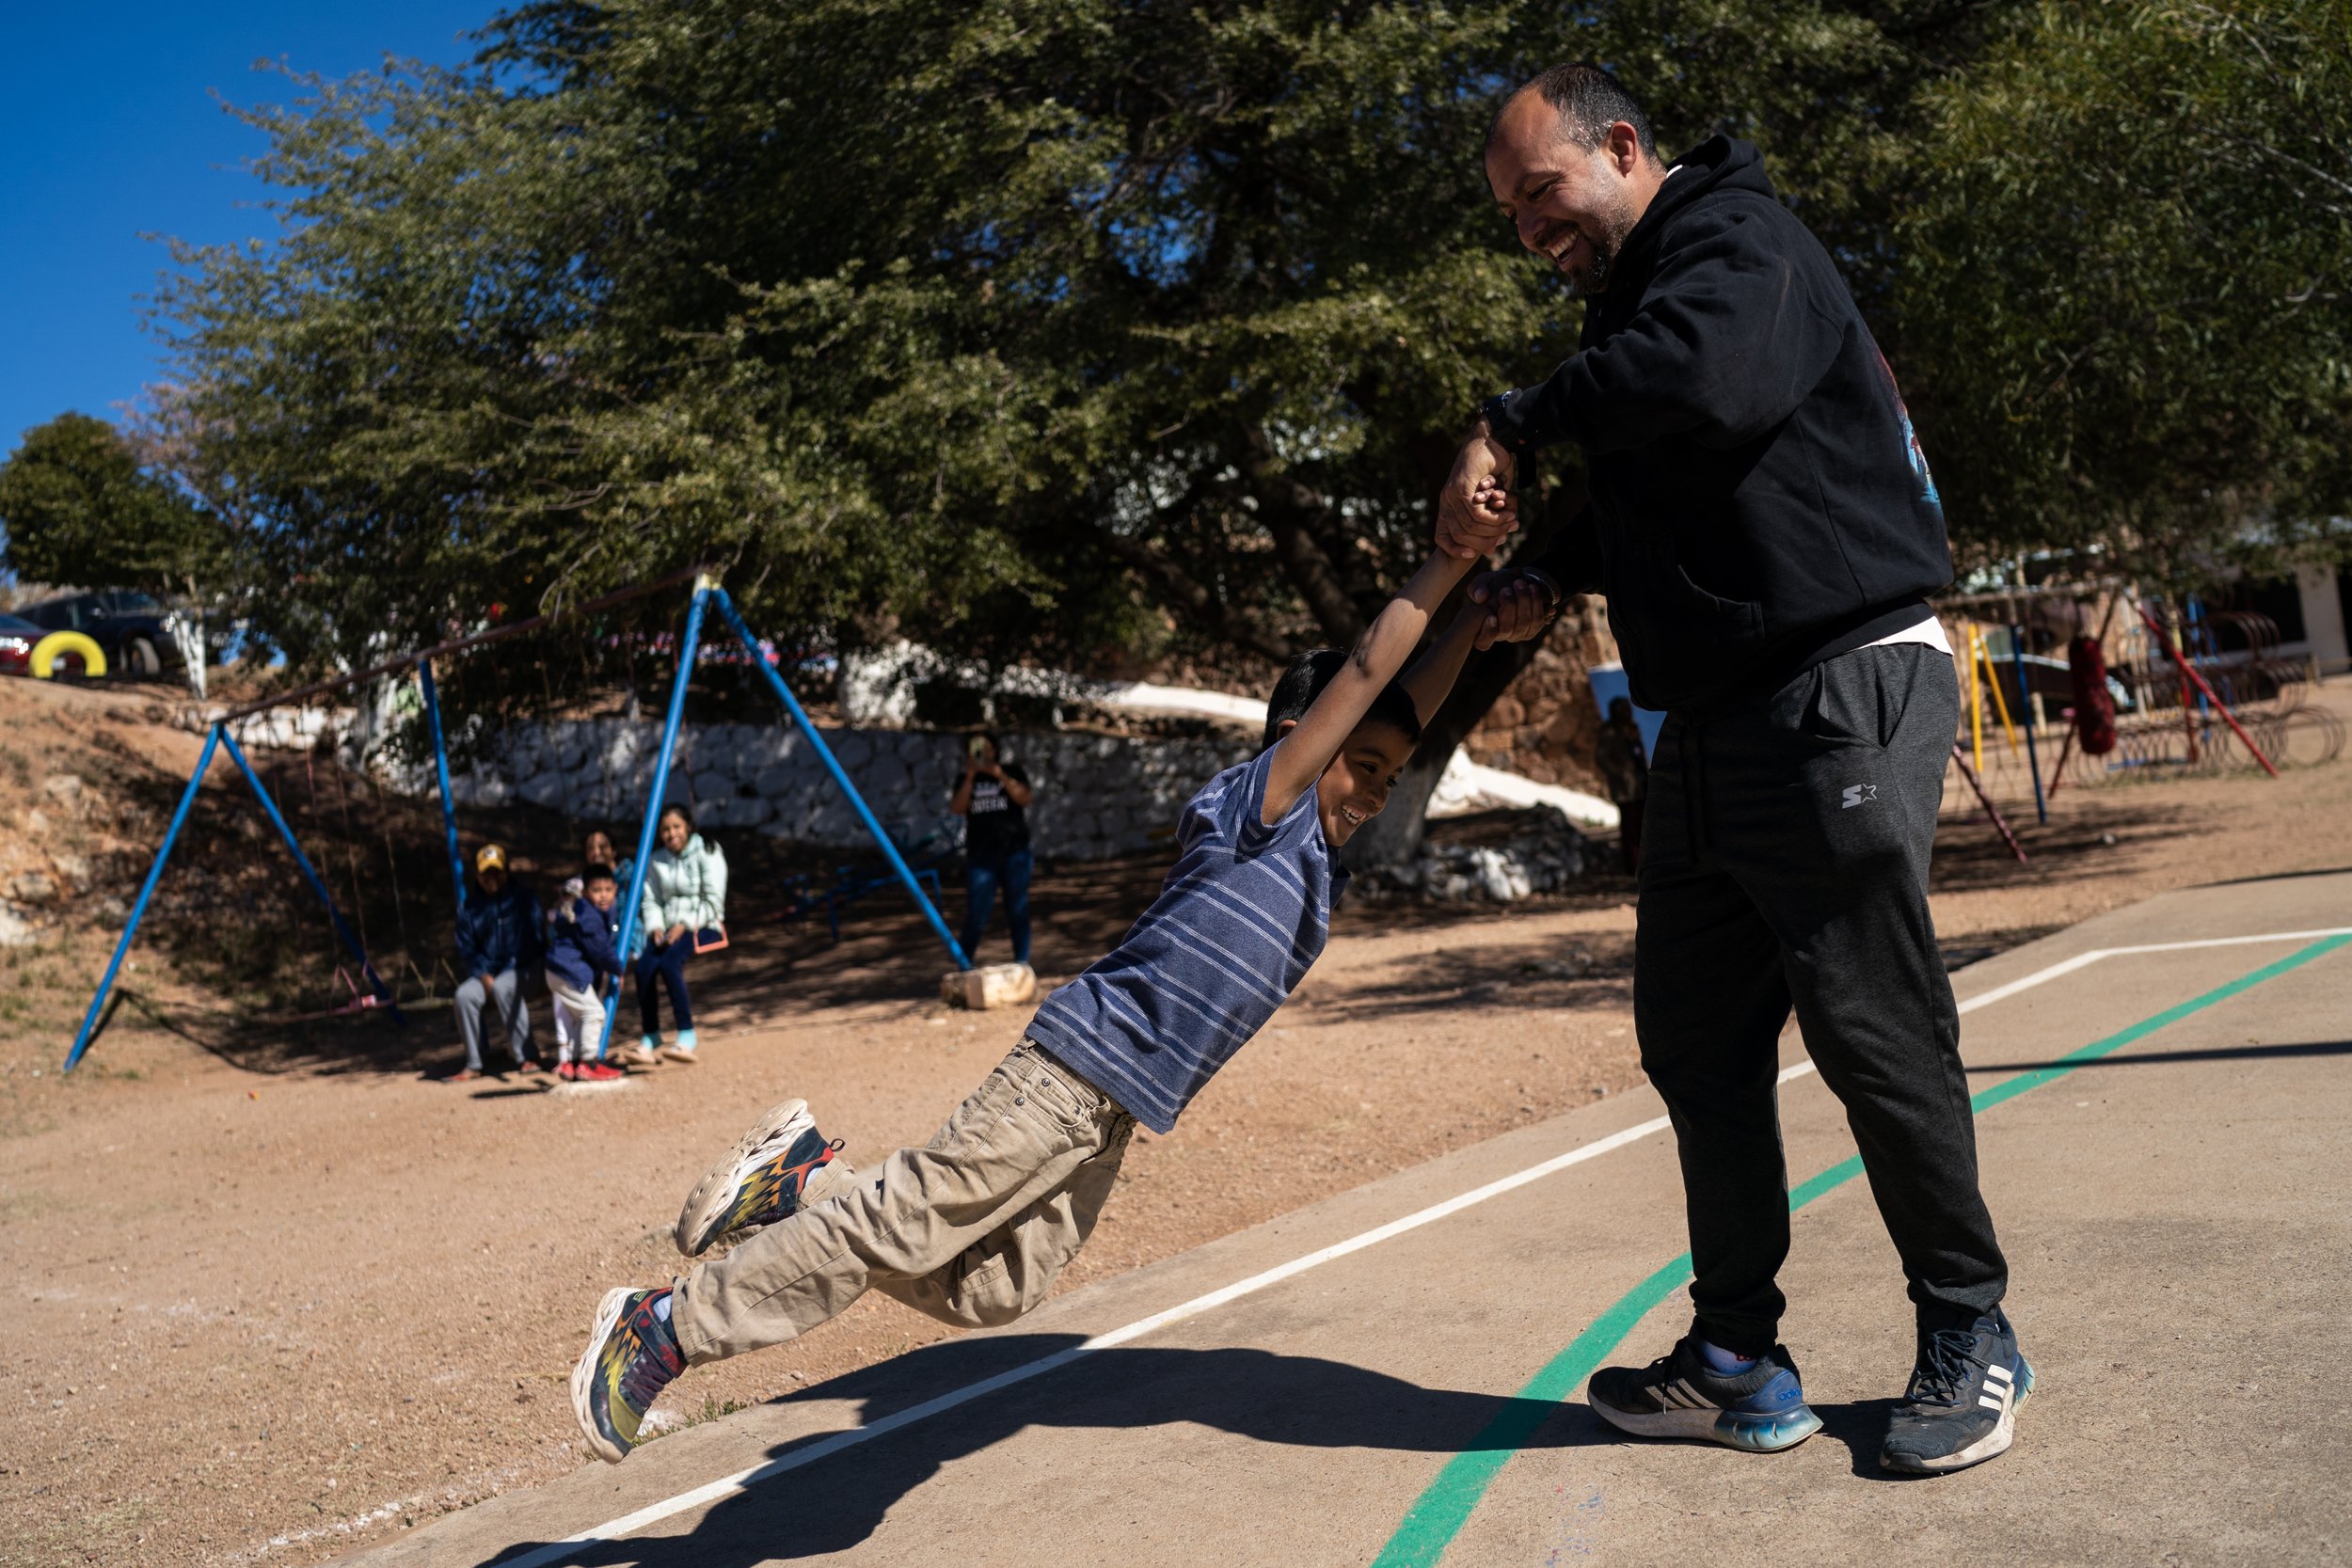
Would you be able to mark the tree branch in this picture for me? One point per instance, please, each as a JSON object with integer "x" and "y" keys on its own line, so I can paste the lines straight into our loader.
{"x": 1236, "y": 627}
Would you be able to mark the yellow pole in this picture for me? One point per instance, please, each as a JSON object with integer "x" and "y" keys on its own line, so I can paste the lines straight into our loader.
{"x": 1976, "y": 703}
{"x": 2000, "y": 703}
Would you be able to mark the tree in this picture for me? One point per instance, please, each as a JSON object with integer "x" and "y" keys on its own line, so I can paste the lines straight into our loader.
{"x": 79, "y": 508}
{"x": 1083, "y": 330}
{"x": 2132, "y": 274}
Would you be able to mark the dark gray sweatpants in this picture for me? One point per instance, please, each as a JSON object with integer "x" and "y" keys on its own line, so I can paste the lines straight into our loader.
{"x": 1785, "y": 862}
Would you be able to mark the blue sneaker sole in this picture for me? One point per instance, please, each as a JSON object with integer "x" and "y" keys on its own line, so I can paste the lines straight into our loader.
{"x": 1731, "y": 1428}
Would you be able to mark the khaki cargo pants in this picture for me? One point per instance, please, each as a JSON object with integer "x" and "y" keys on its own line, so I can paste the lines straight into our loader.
{"x": 971, "y": 1229}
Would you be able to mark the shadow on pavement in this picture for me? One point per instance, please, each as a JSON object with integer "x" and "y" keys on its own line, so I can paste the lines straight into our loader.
{"x": 837, "y": 1502}
{"x": 2205, "y": 1054}
{"x": 1861, "y": 1426}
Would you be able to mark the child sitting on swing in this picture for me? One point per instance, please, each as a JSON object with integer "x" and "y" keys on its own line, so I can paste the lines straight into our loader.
{"x": 582, "y": 956}
{"x": 973, "y": 1227}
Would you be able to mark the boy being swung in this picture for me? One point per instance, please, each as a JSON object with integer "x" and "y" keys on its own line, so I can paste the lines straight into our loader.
{"x": 973, "y": 1227}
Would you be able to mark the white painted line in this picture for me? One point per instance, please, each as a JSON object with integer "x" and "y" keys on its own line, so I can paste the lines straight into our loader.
{"x": 2084, "y": 961}
{"x": 727, "y": 1486}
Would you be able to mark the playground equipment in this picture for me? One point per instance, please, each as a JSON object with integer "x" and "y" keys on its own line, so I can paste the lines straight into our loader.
{"x": 806, "y": 894}
{"x": 2191, "y": 689}
{"x": 707, "y": 595}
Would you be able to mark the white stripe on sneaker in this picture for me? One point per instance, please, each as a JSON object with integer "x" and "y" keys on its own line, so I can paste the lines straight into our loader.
{"x": 1996, "y": 1369}
{"x": 1991, "y": 1403}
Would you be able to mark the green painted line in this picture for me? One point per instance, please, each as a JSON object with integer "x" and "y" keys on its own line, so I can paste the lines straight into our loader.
{"x": 1439, "y": 1513}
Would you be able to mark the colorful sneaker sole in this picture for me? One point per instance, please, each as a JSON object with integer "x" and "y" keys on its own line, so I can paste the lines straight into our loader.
{"x": 1991, "y": 1445}
{"x": 585, "y": 1390}
{"x": 1731, "y": 1428}
{"x": 702, "y": 1223}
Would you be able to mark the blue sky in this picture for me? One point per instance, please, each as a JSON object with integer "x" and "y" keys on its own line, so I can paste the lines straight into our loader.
{"x": 109, "y": 128}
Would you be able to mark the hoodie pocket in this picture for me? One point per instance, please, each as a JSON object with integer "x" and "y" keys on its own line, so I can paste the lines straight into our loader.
{"x": 1736, "y": 620}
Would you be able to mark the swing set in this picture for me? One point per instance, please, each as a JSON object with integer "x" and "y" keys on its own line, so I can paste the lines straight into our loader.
{"x": 2191, "y": 647}
{"x": 707, "y": 596}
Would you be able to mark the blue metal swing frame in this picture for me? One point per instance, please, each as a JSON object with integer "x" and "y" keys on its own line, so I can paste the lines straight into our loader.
{"x": 708, "y": 594}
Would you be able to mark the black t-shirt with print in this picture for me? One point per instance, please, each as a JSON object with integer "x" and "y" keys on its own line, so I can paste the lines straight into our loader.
{"x": 995, "y": 825}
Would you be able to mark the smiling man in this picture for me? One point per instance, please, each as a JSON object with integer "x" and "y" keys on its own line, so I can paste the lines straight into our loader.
{"x": 1766, "y": 530}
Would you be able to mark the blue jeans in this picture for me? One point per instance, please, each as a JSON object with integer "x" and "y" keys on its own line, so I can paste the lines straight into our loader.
{"x": 669, "y": 965}
{"x": 983, "y": 874}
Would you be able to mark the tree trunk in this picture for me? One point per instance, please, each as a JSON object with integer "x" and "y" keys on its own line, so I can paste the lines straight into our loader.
{"x": 1394, "y": 837}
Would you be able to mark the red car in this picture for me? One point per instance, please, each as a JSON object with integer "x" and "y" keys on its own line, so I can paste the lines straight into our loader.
{"x": 17, "y": 637}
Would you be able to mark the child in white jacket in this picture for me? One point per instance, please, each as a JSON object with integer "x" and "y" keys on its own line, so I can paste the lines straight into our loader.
{"x": 685, "y": 899}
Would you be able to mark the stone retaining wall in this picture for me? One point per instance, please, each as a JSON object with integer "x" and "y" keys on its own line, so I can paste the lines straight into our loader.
{"x": 1096, "y": 795}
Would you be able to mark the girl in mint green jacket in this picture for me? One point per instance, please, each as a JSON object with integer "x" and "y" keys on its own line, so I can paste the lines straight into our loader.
{"x": 685, "y": 894}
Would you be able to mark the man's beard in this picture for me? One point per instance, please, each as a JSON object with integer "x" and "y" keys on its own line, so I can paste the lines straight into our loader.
{"x": 1605, "y": 247}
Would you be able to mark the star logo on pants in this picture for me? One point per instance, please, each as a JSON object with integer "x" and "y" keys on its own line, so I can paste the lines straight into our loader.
{"x": 1856, "y": 794}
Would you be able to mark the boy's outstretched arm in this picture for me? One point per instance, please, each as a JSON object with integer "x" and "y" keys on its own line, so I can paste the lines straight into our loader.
{"x": 1431, "y": 679}
{"x": 1300, "y": 756}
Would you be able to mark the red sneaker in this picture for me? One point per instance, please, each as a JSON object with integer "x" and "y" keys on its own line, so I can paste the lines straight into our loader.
{"x": 567, "y": 1070}
{"x": 597, "y": 1072}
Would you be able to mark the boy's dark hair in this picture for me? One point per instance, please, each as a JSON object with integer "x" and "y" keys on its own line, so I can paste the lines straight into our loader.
{"x": 598, "y": 874}
{"x": 1589, "y": 101}
{"x": 1304, "y": 681}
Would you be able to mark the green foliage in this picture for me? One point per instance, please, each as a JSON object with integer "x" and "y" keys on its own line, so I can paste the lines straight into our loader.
{"x": 1087, "y": 329}
{"x": 79, "y": 509}
{"x": 2132, "y": 274}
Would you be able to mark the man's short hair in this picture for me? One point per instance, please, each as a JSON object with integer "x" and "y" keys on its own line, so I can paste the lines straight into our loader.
{"x": 1304, "y": 681}
{"x": 1589, "y": 101}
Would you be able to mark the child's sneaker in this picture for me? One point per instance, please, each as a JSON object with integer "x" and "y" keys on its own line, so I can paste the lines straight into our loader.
{"x": 1962, "y": 1406}
{"x": 567, "y": 1071}
{"x": 597, "y": 1072}
{"x": 1761, "y": 1410}
{"x": 632, "y": 1357}
{"x": 779, "y": 1167}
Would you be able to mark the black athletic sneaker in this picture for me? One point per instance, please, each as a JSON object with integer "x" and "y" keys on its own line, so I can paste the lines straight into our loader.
{"x": 1962, "y": 1406}
{"x": 1761, "y": 1410}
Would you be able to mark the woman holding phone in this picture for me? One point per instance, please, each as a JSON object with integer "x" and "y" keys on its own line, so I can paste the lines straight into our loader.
{"x": 993, "y": 799}
{"x": 684, "y": 911}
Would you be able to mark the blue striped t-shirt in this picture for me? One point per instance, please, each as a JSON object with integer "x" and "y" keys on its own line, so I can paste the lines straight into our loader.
{"x": 1239, "y": 919}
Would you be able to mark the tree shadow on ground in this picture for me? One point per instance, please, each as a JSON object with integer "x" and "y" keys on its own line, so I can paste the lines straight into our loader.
{"x": 836, "y": 1502}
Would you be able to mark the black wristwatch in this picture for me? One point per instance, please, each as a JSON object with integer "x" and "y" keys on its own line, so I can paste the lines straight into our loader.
{"x": 1496, "y": 411}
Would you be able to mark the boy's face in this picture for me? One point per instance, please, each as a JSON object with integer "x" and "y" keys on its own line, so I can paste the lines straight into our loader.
{"x": 1356, "y": 784}
{"x": 603, "y": 893}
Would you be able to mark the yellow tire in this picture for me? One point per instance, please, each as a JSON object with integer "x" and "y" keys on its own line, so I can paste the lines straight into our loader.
{"x": 57, "y": 644}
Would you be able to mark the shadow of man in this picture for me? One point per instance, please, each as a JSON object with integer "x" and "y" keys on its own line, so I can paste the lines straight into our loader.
{"x": 836, "y": 1501}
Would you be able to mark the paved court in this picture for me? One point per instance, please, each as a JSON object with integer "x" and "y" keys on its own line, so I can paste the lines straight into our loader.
{"x": 2167, "y": 1139}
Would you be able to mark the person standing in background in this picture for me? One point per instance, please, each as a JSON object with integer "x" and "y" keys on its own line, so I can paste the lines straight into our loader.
{"x": 993, "y": 797}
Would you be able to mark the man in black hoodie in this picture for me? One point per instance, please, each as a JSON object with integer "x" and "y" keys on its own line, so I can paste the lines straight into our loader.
{"x": 1763, "y": 523}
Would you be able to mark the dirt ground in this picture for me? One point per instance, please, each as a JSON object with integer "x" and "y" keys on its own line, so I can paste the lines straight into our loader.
{"x": 279, "y": 1291}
